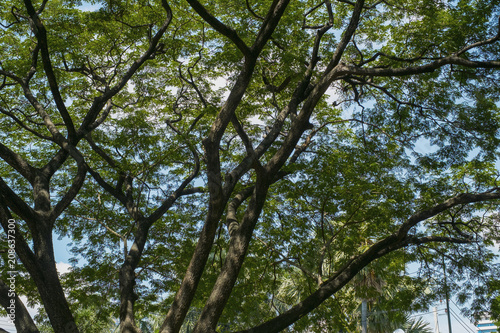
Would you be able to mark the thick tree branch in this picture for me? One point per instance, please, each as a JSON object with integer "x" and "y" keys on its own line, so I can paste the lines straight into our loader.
{"x": 460, "y": 199}
{"x": 231, "y": 219}
{"x": 340, "y": 279}
{"x": 314, "y": 94}
{"x": 41, "y": 266}
{"x": 243, "y": 136}
{"x": 15, "y": 12}
{"x": 72, "y": 192}
{"x": 100, "y": 102}
{"x": 227, "y": 113}
{"x": 269, "y": 25}
{"x": 34, "y": 62}
{"x": 55, "y": 163}
{"x": 399, "y": 59}
{"x": 143, "y": 224}
{"x": 389, "y": 244}
{"x": 103, "y": 117}
{"x": 340, "y": 70}
{"x": 412, "y": 70}
{"x": 112, "y": 163}
{"x": 346, "y": 37}
{"x": 41, "y": 35}
{"x": 18, "y": 163}
{"x": 220, "y": 27}
{"x": 58, "y": 137}
{"x": 115, "y": 192}
{"x": 183, "y": 298}
{"x": 482, "y": 43}
{"x": 236, "y": 254}
{"x": 167, "y": 203}
{"x": 308, "y": 140}
{"x": 366, "y": 7}
{"x": 253, "y": 12}
{"x": 297, "y": 97}
{"x": 17, "y": 204}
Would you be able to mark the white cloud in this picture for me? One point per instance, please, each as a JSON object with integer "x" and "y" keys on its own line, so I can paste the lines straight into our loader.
{"x": 63, "y": 267}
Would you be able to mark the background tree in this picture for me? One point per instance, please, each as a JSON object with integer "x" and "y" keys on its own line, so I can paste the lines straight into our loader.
{"x": 243, "y": 207}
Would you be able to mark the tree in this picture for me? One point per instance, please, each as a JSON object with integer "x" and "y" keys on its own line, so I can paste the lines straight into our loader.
{"x": 182, "y": 197}
{"x": 412, "y": 325}
{"x": 495, "y": 303}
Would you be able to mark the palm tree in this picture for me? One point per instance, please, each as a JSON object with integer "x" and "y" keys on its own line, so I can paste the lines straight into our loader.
{"x": 416, "y": 325}
{"x": 382, "y": 323}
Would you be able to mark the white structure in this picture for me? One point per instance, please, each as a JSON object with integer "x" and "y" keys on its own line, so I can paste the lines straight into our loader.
{"x": 486, "y": 326}
{"x": 436, "y": 322}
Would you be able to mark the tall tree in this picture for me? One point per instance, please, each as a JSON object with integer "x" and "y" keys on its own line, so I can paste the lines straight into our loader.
{"x": 203, "y": 155}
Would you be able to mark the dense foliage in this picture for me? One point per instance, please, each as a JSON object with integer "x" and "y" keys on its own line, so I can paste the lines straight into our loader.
{"x": 252, "y": 166}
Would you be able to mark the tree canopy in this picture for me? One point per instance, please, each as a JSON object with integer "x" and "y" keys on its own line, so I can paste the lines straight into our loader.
{"x": 252, "y": 166}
